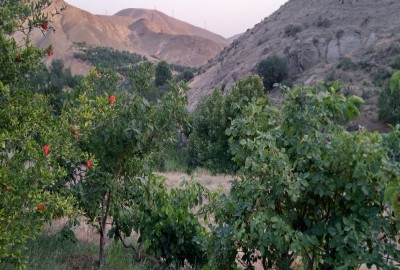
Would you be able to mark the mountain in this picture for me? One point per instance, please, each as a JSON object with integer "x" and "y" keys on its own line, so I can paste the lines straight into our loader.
{"x": 147, "y": 32}
{"x": 353, "y": 41}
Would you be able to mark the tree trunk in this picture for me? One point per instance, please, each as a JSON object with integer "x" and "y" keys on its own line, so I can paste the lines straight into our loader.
{"x": 105, "y": 206}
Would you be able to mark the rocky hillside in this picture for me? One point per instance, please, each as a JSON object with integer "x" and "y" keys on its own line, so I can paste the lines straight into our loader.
{"x": 354, "y": 41}
{"x": 147, "y": 32}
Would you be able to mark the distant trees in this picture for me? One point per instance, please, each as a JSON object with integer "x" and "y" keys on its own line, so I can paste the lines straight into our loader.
{"x": 273, "y": 69}
{"x": 108, "y": 57}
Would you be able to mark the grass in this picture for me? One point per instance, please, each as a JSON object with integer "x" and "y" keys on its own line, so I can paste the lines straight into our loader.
{"x": 51, "y": 253}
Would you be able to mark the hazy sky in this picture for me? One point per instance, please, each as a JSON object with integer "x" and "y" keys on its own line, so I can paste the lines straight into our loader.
{"x": 224, "y": 17}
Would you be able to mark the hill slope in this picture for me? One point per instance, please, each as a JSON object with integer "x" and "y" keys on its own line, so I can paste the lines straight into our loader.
{"x": 315, "y": 36}
{"x": 146, "y": 32}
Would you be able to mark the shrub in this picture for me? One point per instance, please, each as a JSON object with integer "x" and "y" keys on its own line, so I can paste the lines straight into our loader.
{"x": 307, "y": 187}
{"x": 292, "y": 30}
{"x": 381, "y": 76}
{"x": 388, "y": 101}
{"x": 273, "y": 69}
{"x": 396, "y": 63}
{"x": 345, "y": 63}
{"x": 163, "y": 73}
{"x": 169, "y": 229}
{"x": 323, "y": 22}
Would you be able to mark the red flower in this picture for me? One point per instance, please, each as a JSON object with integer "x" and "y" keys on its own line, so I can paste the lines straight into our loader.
{"x": 50, "y": 53}
{"x": 111, "y": 99}
{"x": 44, "y": 24}
{"x": 41, "y": 207}
{"x": 46, "y": 149}
{"x": 89, "y": 164}
{"x": 18, "y": 58}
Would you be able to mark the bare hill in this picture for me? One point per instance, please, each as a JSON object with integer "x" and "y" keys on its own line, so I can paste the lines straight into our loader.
{"x": 353, "y": 41}
{"x": 162, "y": 23}
{"x": 145, "y": 32}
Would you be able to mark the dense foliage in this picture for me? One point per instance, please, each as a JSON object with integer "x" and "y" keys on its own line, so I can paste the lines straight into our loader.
{"x": 388, "y": 102}
{"x": 307, "y": 188}
{"x": 273, "y": 69}
{"x": 36, "y": 147}
{"x": 52, "y": 82}
{"x": 89, "y": 153}
{"x": 168, "y": 229}
{"x": 18, "y": 56}
{"x": 106, "y": 57}
{"x": 208, "y": 143}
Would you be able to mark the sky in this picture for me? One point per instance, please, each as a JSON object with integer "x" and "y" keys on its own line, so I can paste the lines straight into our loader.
{"x": 224, "y": 17}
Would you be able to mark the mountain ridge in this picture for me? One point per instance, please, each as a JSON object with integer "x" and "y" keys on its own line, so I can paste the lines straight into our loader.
{"x": 73, "y": 25}
{"x": 314, "y": 37}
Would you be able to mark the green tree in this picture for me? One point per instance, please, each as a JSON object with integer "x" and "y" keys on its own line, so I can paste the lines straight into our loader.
{"x": 93, "y": 154}
{"x": 122, "y": 141}
{"x": 37, "y": 149}
{"x": 307, "y": 187}
{"x": 208, "y": 143}
{"x": 388, "y": 105}
{"x": 272, "y": 69}
{"x": 19, "y": 58}
{"x": 163, "y": 73}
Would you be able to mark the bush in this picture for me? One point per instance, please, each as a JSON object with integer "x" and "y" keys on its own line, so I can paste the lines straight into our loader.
{"x": 307, "y": 187}
{"x": 381, "y": 76}
{"x": 388, "y": 101}
{"x": 345, "y": 63}
{"x": 396, "y": 63}
{"x": 273, "y": 69}
{"x": 163, "y": 73}
{"x": 292, "y": 30}
{"x": 323, "y": 22}
{"x": 169, "y": 229}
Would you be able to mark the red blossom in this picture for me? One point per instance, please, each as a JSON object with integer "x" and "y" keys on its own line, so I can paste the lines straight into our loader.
{"x": 112, "y": 99}
{"x": 46, "y": 149}
{"x": 41, "y": 207}
{"x": 89, "y": 164}
{"x": 44, "y": 24}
